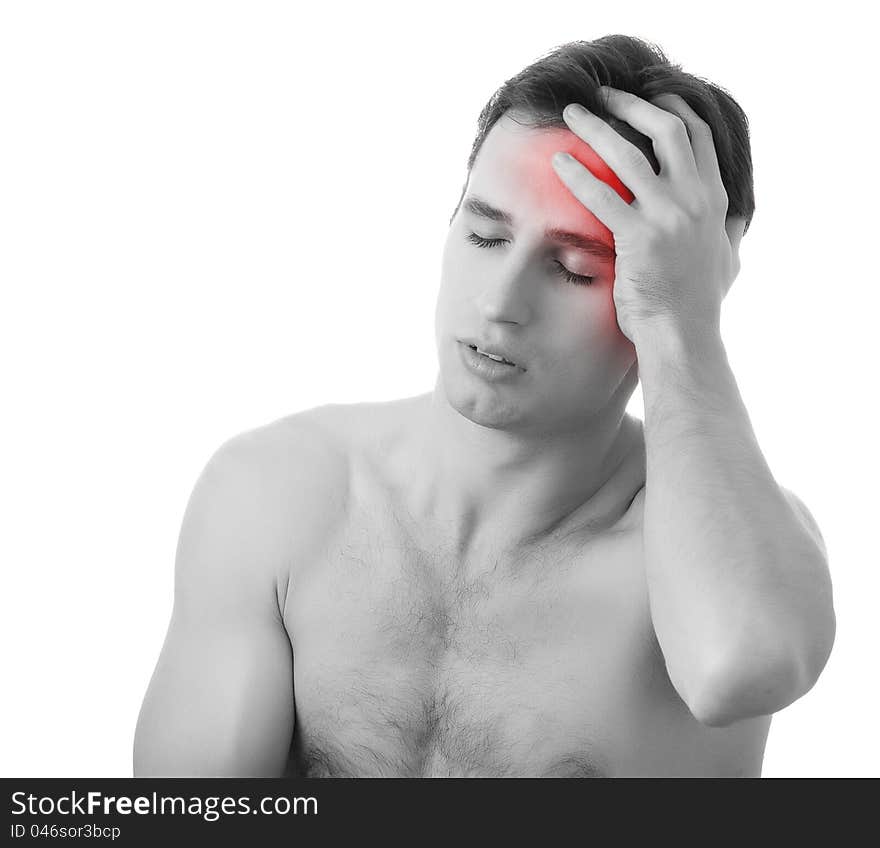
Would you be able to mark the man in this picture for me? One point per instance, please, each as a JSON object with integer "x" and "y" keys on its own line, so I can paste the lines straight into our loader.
{"x": 509, "y": 575}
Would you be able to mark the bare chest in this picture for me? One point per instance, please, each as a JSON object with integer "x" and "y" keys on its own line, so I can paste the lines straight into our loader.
{"x": 410, "y": 662}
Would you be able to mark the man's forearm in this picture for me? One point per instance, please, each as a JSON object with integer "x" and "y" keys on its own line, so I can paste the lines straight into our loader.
{"x": 737, "y": 585}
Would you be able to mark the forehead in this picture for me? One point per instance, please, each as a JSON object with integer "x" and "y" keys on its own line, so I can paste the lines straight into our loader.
{"x": 513, "y": 170}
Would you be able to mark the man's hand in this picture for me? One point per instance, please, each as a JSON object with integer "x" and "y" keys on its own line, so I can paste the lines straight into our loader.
{"x": 738, "y": 581}
{"x": 677, "y": 253}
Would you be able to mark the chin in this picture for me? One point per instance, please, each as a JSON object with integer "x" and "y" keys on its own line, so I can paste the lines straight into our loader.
{"x": 482, "y": 404}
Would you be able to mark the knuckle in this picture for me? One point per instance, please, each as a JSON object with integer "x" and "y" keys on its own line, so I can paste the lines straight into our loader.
{"x": 603, "y": 197}
{"x": 635, "y": 160}
{"x": 674, "y": 128}
{"x": 698, "y": 125}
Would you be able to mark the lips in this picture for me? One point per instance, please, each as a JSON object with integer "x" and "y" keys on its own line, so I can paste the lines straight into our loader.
{"x": 498, "y": 353}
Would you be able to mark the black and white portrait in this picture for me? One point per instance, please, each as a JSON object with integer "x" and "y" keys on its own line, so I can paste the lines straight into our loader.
{"x": 469, "y": 395}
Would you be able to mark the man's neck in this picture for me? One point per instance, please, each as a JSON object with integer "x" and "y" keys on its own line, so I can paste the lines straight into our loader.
{"x": 483, "y": 484}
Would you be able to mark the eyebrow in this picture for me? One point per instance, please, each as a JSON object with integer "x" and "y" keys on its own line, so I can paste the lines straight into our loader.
{"x": 589, "y": 244}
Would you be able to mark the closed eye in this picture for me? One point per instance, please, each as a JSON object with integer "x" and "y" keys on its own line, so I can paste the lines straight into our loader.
{"x": 575, "y": 279}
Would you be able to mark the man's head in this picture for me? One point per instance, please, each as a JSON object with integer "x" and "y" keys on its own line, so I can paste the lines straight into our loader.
{"x": 512, "y": 281}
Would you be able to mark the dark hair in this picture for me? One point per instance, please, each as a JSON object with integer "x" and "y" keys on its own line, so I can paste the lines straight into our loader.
{"x": 573, "y": 72}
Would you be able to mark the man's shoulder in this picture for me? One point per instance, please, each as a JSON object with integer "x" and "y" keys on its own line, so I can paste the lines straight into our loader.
{"x": 294, "y": 479}
{"x": 285, "y": 480}
{"x": 305, "y": 459}
{"x": 263, "y": 496}
{"x": 303, "y": 449}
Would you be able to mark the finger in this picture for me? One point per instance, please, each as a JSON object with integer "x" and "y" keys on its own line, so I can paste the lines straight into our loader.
{"x": 595, "y": 194}
{"x": 622, "y": 156}
{"x": 700, "y": 134}
{"x": 672, "y": 145}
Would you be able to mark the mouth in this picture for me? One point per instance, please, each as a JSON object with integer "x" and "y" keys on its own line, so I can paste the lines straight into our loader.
{"x": 493, "y": 352}
{"x": 495, "y": 356}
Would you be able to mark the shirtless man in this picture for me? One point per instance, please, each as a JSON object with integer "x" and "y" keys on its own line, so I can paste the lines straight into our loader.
{"x": 509, "y": 575}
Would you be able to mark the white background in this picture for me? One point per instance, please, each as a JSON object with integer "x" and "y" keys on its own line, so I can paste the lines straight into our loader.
{"x": 215, "y": 214}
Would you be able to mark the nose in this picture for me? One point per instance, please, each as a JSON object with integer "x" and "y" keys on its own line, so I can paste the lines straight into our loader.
{"x": 505, "y": 296}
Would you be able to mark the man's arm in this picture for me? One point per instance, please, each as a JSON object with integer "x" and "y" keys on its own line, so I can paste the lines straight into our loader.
{"x": 739, "y": 589}
{"x": 737, "y": 571}
{"x": 220, "y": 702}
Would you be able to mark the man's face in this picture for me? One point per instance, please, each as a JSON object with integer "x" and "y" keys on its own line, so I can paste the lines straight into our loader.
{"x": 516, "y": 293}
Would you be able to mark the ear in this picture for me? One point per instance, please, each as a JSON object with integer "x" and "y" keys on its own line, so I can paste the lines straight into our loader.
{"x": 734, "y": 225}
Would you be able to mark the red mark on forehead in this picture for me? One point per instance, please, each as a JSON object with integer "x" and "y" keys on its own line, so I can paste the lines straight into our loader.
{"x": 532, "y": 162}
{"x": 597, "y": 167}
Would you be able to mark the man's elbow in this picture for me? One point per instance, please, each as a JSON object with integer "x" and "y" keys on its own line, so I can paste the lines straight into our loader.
{"x": 748, "y": 686}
